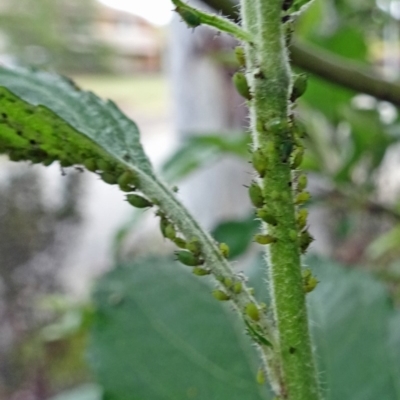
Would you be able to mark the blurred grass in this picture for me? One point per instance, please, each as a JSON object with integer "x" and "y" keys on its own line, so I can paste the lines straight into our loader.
{"x": 145, "y": 94}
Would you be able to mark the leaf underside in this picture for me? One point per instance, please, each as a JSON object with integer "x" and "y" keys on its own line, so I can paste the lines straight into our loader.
{"x": 45, "y": 117}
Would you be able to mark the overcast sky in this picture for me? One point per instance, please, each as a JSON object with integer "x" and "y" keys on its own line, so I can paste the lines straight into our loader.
{"x": 158, "y": 12}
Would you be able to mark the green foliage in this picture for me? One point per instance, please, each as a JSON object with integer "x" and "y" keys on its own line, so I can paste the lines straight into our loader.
{"x": 237, "y": 234}
{"x": 144, "y": 336}
{"x": 200, "y": 150}
{"x": 74, "y": 129}
{"x": 355, "y": 329}
{"x": 159, "y": 334}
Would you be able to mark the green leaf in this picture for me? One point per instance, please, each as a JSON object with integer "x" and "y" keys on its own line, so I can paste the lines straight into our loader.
{"x": 45, "y": 117}
{"x": 159, "y": 334}
{"x": 201, "y": 150}
{"x": 355, "y": 330}
{"x": 237, "y": 234}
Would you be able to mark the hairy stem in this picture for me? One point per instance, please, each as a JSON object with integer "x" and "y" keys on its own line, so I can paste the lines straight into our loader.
{"x": 270, "y": 82}
{"x": 218, "y": 265}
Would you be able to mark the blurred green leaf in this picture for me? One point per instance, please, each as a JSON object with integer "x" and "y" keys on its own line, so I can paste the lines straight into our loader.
{"x": 85, "y": 392}
{"x": 237, "y": 234}
{"x": 159, "y": 334}
{"x": 198, "y": 151}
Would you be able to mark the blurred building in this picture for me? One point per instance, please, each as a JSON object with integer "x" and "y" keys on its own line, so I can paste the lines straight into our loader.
{"x": 137, "y": 44}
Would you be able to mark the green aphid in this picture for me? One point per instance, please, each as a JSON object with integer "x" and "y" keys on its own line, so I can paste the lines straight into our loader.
{"x": 264, "y": 239}
{"x": 48, "y": 162}
{"x": 301, "y": 218}
{"x": 90, "y": 164}
{"x": 240, "y": 82}
{"x": 201, "y": 271}
{"x": 302, "y": 182}
{"x": 138, "y": 201}
{"x": 305, "y": 240}
{"x": 228, "y": 282}
{"x": 260, "y": 378}
{"x": 224, "y": 248}
{"x": 240, "y": 56}
{"x": 297, "y": 158}
{"x": 302, "y": 197}
{"x": 66, "y": 162}
{"x": 309, "y": 281}
{"x": 299, "y": 86}
{"x": 109, "y": 178}
{"x": 104, "y": 166}
{"x": 286, "y": 150}
{"x": 127, "y": 181}
{"x": 190, "y": 17}
{"x": 267, "y": 217}
{"x": 180, "y": 242}
{"x": 220, "y": 295}
{"x": 170, "y": 232}
{"x": 253, "y": 312}
{"x": 276, "y": 126}
{"x": 237, "y": 287}
{"x": 260, "y": 163}
{"x": 188, "y": 258}
{"x": 256, "y": 195}
{"x": 194, "y": 246}
{"x": 293, "y": 234}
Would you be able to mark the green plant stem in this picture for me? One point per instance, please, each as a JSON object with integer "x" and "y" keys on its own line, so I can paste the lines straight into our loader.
{"x": 269, "y": 79}
{"x": 328, "y": 65}
{"x": 214, "y": 260}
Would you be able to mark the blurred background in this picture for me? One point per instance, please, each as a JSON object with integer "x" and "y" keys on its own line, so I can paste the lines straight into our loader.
{"x": 63, "y": 228}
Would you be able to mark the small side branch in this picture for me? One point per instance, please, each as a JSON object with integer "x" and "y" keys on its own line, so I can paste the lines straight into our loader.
{"x": 194, "y": 17}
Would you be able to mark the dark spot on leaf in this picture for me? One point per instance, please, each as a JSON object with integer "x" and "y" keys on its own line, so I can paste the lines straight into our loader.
{"x": 33, "y": 142}
{"x": 292, "y": 350}
{"x": 4, "y": 115}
